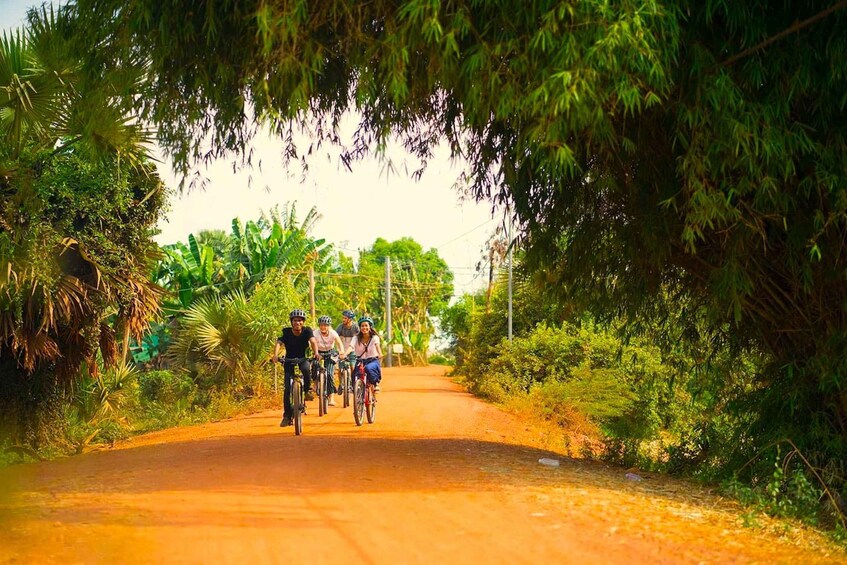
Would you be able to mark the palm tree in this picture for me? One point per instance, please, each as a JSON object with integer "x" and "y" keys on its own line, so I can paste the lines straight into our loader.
{"x": 77, "y": 201}
{"x": 219, "y": 337}
{"x": 48, "y": 102}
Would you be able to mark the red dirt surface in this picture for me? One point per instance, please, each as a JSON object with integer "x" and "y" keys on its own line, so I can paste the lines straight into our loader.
{"x": 440, "y": 477}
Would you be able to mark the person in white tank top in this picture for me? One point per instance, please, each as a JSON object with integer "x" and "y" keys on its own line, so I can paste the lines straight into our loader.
{"x": 328, "y": 340}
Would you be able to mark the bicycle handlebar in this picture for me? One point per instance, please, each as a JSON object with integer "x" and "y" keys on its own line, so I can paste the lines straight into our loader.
{"x": 292, "y": 360}
{"x": 331, "y": 354}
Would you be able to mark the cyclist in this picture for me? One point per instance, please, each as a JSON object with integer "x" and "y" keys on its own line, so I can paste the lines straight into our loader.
{"x": 327, "y": 338}
{"x": 347, "y": 330}
{"x": 367, "y": 349}
{"x": 295, "y": 339}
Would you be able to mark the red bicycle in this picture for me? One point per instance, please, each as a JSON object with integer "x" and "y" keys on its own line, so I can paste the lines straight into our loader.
{"x": 364, "y": 396}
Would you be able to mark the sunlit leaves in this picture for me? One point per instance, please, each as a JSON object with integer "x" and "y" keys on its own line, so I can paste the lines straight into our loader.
{"x": 633, "y": 157}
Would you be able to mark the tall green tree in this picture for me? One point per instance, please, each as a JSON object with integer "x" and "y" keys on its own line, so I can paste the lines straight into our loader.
{"x": 421, "y": 286}
{"x": 78, "y": 201}
{"x": 190, "y": 272}
{"x": 214, "y": 263}
{"x": 645, "y": 146}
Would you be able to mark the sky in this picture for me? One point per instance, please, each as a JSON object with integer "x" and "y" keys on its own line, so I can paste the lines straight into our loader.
{"x": 355, "y": 207}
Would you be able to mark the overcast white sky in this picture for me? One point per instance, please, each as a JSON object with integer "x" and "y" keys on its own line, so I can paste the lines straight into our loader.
{"x": 356, "y": 207}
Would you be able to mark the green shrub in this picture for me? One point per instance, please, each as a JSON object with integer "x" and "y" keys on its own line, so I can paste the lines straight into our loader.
{"x": 164, "y": 386}
{"x": 223, "y": 406}
{"x": 439, "y": 359}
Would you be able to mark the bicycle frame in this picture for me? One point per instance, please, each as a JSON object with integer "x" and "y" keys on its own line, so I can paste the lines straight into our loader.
{"x": 364, "y": 397}
{"x": 345, "y": 378}
{"x": 297, "y": 391}
{"x": 324, "y": 376}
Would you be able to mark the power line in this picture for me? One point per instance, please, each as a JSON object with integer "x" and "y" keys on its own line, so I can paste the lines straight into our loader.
{"x": 466, "y": 233}
{"x": 396, "y": 282}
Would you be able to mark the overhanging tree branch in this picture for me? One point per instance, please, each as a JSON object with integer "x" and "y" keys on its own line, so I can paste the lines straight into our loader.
{"x": 797, "y": 26}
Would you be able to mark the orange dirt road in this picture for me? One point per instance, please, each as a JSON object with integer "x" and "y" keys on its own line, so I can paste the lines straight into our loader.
{"x": 441, "y": 477}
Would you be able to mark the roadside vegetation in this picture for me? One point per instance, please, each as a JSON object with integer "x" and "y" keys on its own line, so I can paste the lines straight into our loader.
{"x": 629, "y": 397}
{"x": 675, "y": 173}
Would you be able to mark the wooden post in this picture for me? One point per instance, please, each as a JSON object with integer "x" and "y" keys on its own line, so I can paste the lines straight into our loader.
{"x": 388, "y": 343}
{"x": 312, "y": 293}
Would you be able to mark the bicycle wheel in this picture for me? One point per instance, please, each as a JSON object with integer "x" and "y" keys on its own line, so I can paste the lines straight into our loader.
{"x": 370, "y": 403}
{"x": 359, "y": 402}
{"x": 321, "y": 391}
{"x": 345, "y": 385}
{"x": 297, "y": 406}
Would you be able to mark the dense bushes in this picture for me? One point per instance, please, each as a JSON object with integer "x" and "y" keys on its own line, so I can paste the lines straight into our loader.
{"x": 660, "y": 400}
{"x": 583, "y": 369}
{"x": 218, "y": 369}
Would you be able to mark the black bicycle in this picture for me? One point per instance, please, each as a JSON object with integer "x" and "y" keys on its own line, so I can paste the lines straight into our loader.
{"x": 345, "y": 372}
{"x": 322, "y": 377}
{"x": 298, "y": 391}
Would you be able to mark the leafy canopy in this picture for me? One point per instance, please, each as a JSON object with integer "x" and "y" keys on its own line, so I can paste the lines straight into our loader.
{"x": 645, "y": 146}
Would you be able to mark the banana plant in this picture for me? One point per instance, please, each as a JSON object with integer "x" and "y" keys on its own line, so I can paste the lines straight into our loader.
{"x": 276, "y": 242}
{"x": 190, "y": 271}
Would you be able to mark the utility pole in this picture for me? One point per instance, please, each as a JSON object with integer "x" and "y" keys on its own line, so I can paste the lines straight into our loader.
{"x": 312, "y": 293}
{"x": 388, "y": 344}
{"x": 510, "y": 277}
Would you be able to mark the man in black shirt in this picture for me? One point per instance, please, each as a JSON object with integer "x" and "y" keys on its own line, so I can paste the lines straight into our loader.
{"x": 295, "y": 340}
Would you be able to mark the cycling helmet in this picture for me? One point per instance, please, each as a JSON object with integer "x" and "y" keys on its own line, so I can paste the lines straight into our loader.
{"x": 364, "y": 319}
{"x": 324, "y": 320}
{"x": 348, "y": 314}
{"x": 297, "y": 313}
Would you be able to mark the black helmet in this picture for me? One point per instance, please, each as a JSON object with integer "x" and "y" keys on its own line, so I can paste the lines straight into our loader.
{"x": 297, "y": 313}
{"x": 348, "y": 314}
{"x": 324, "y": 320}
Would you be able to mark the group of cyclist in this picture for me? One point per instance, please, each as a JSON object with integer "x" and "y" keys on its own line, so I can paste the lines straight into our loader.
{"x": 359, "y": 339}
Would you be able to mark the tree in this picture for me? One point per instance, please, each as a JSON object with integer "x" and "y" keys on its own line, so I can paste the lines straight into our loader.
{"x": 214, "y": 263}
{"x": 78, "y": 201}
{"x": 421, "y": 286}
{"x": 190, "y": 271}
{"x": 456, "y": 322}
{"x": 646, "y": 147}
{"x": 276, "y": 241}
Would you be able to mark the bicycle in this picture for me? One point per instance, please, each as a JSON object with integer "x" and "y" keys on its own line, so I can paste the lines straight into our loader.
{"x": 298, "y": 393}
{"x": 344, "y": 377}
{"x": 322, "y": 379}
{"x": 364, "y": 397}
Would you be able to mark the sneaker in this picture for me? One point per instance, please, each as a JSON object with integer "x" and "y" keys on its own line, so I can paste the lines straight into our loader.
{"x": 310, "y": 395}
{"x": 376, "y": 388}
{"x": 286, "y": 421}
{"x": 331, "y": 401}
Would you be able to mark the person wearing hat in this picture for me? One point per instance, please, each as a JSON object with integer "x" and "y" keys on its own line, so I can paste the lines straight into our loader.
{"x": 367, "y": 348}
{"x": 327, "y": 339}
{"x": 347, "y": 330}
{"x": 295, "y": 339}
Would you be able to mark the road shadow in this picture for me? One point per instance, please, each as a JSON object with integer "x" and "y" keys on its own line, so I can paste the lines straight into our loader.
{"x": 285, "y": 463}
